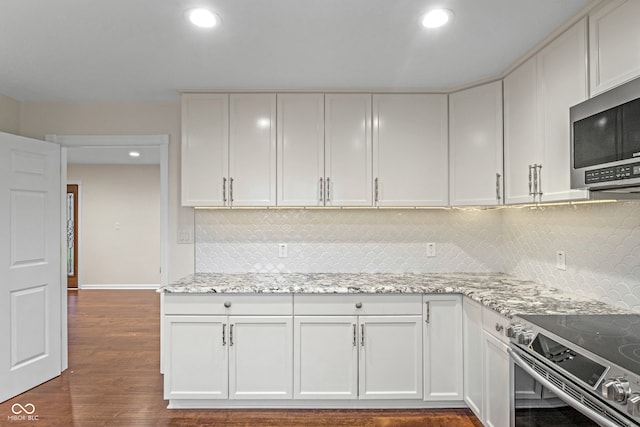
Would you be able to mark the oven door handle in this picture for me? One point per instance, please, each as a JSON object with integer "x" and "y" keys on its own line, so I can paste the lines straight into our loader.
{"x": 595, "y": 416}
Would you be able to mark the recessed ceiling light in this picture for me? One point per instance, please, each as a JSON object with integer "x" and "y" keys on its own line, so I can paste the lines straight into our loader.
{"x": 203, "y": 18}
{"x": 436, "y": 18}
{"x": 134, "y": 154}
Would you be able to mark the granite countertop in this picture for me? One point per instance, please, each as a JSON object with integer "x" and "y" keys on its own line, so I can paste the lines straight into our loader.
{"x": 502, "y": 293}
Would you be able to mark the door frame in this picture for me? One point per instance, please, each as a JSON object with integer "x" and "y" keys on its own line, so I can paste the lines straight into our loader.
{"x": 115, "y": 141}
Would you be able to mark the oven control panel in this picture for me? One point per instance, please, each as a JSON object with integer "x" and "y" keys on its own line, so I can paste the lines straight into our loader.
{"x": 612, "y": 173}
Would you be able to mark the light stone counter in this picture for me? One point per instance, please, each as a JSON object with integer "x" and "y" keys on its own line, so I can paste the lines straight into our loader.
{"x": 502, "y": 293}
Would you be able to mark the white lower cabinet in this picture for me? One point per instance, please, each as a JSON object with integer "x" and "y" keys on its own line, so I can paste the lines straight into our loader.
{"x": 496, "y": 382}
{"x": 358, "y": 347}
{"x": 326, "y": 357}
{"x": 260, "y": 357}
{"x": 197, "y": 357}
{"x": 473, "y": 356}
{"x": 443, "y": 366}
{"x": 214, "y": 357}
{"x": 487, "y": 378}
{"x": 390, "y": 357}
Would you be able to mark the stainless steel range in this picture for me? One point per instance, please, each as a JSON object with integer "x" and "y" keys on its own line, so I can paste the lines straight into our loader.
{"x": 586, "y": 368}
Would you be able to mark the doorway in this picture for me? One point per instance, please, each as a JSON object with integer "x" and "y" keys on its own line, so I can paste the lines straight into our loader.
{"x": 72, "y": 236}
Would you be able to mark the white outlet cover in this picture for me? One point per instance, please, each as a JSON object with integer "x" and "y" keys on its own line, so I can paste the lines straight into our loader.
{"x": 431, "y": 250}
{"x": 561, "y": 260}
{"x": 282, "y": 250}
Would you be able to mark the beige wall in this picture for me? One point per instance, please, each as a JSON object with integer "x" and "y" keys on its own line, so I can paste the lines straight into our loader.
{"x": 9, "y": 115}
{"x": 120, "y": 223}
{"x": 39, "y": 119}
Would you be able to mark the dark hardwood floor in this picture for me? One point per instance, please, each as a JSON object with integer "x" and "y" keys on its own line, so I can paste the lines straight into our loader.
{"x": 113, "y": 379}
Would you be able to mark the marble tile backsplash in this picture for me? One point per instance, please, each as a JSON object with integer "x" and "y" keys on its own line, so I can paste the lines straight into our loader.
{"x": 601, "y": 242}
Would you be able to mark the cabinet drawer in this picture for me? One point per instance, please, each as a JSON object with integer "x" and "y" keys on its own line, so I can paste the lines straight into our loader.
{"x": 495, "y": 324}
{"x": 352, "y": 304}
{"x": 228, "y": 304}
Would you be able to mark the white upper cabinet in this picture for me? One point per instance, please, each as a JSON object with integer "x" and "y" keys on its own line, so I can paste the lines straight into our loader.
{"x": 562, "y": 83}
{"x": 228, "y": 150}
{"x": 537, "y": 97}
{"x": 410, "y": 140}
{"x": 205, "y": 145}
{"x": 521, "y": 141}
{"x": 348, "y": 150}
{"x": 614, "y": 44}
{"x": 475, "y": 146}
{"x": 301, "y": 149}
{"x": 252, "y": 150}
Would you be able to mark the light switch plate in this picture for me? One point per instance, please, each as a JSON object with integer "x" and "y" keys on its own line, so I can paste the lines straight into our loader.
{"x": 431, "y": 250}
{"x": 561, "y": 260}
{"x": 282, "y": 250}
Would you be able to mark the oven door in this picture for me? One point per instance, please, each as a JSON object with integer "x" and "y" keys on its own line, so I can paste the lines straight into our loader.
{"x": 536, "y": 401}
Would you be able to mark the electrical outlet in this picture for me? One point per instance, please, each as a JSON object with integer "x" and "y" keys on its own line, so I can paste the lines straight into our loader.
{"x": 282, "y": 250}
{"x": 561, "y": 260}
{"x": 431, "y": 250}
{"x": 185, "y": 236}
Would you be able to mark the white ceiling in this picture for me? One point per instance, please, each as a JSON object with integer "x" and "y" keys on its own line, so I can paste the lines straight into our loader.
{"x": 145, "y": 50}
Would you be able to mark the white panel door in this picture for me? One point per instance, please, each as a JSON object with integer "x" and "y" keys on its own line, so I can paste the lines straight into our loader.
{"x": 614, "y": 48}
{"x": 325, "y": 357}
{"x": 300, "y": 149}
{"x": 443, "y": 347}
{"x": 390, "y": 357}
{"x": 197, "y": 358}
{"x": 562, "y": 83}
{"x": 473, "y": 356}
{"x": 410, "y": 140}
{"x": 348, "y": 150}
{"x": 522, "y": 144}
{"x": 261, "y": 357}
{"x": 30, "y": 264}
{"x": 252, "y": 150}
{"x": 496, "y": 382}
{"x": 205, "y": 149}
{"x": 475, "y": 146}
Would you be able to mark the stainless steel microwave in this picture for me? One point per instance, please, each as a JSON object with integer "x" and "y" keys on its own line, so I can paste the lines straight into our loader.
{"x": 605, "y": 140}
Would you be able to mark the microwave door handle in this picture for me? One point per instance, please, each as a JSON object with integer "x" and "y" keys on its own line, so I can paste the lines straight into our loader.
{"x": 558, "y": 392}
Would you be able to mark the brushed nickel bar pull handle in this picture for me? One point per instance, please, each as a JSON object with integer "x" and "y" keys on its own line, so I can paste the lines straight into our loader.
{"x": 428, "y": 312}
{"x": 535, "y": 180}
{"x": 530, "y": 182}
{"x": 224, "y": 190}
{"x": 321, "y": 190}
{"x": 231, "y": 334}
{"x": 362, "y": 335}
{"x": 224, "y": 334}
{"x": 539, "y": 174}
{"x": 355, "y": 334}
{"x": 231, "y": 189}
{"x": 376, "y": 198}
{"x": 328, "y": 190}
{"x": 498, "y": 197}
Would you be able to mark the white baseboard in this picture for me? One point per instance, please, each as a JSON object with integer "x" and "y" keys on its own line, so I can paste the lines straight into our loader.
{"x": 120, "y": 286}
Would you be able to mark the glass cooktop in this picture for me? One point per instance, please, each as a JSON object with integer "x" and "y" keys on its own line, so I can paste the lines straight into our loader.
{"x": 615, "y": 338}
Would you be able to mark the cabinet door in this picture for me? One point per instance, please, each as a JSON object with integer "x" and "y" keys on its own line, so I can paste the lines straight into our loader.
{"x": 300, "y": 149}
{"x": 325, "y": 357}
{"x": 496, "y": 382}
{"x": 390, "y": 357}
{"x": 196, "y": 361}
{"x": 410, "y": 140}
{"x": 261, "y": 357}
{"x": 252, "y": 150}
{"x": 473, "y": 356}
{"x": 522, "y": 145}
{"x": 443, "y": 347}
{"x": 205, "y": 145}
{"x": 348, "y": 150}
{"x": 614, "y": 44}
{"x": 562, "y": 83}
{"x": 475, "y": 146}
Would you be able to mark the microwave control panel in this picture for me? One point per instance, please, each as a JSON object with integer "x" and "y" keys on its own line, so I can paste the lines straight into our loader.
{"x": 612, "y": 173}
